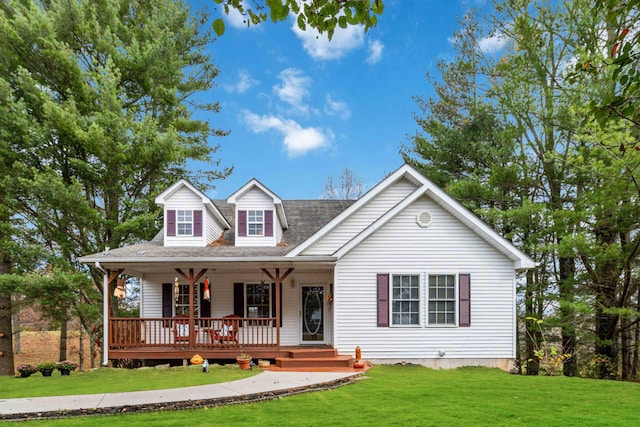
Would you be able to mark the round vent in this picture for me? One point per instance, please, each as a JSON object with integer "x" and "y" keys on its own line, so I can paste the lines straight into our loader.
{"x": 424, "y": 219}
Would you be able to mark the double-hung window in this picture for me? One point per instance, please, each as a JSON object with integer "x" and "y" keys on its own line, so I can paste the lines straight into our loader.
{"x": 182, "y": 301}
{"x": 442, "y": 299}
{"x": 255, "y": 223}
{"x": 258, "y": 301}
{"x": 405, "y": 295}
{"x": 185, "y": 223}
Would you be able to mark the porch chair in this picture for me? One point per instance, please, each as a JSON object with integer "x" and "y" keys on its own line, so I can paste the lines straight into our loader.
{"x": 181, "y": 329}
{"x": 228, "y": 334}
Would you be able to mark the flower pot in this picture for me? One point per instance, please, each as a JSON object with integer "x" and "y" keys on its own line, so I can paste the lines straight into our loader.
{"x": 25, "y": 374}
{"x": 244, "y": 363}
{"x": 64, "y": 372}
{"x": 46, "y": 372}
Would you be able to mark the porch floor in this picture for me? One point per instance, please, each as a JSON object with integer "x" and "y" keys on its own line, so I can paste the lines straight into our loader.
{"x": 296, "y": 359}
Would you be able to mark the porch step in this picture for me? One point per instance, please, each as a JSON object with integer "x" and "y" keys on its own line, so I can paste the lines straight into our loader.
{"x": 306, "y": 353}
{"x": 335, "y": 361}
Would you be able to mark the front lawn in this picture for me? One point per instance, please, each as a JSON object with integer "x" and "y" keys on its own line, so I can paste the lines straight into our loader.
{"x": 417, "y": 396}
{"x": 110, "y": 380}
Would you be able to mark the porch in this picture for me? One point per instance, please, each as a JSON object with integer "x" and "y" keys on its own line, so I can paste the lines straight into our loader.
{"x": 221, "y": 338}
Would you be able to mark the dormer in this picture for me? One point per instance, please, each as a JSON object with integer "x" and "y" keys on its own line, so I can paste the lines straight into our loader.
{"x": 190, "y": 218}
{"x": 259, "y": 215}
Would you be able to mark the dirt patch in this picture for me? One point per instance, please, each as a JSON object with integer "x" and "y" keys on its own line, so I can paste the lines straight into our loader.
{"x": 44, "y": 346}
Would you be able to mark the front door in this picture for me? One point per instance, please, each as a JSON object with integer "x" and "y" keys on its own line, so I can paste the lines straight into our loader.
{"x": 313, "y": 314}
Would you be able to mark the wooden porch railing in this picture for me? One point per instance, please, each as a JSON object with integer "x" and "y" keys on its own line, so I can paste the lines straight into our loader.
{"x": 214, "y": 332}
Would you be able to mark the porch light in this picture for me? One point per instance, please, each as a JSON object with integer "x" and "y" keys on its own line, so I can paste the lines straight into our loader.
{"x": 176, "y": 288}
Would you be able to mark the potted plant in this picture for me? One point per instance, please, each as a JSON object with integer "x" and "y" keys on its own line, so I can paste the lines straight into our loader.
{"x": 66, "y": 366}
{"x": 26, "y": 370}
{"x": 46, "y": 368}
{"x": 244, "y": 361}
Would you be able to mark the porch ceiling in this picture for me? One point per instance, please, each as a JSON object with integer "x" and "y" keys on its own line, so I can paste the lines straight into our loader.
{"x": 169, "y": 265}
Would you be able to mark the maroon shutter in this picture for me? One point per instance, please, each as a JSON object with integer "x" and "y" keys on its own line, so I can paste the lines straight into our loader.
{"x": 383, "y": 300}
{"x": 242, "y": 223}
{"x": 465, "y": 300}
{"x": 238, "y": 299}
{"x": 171, "y": 223}
{"x": 167, "y": 300}
{"x": 197, "y": 223}
{"x": 268, "y": 223}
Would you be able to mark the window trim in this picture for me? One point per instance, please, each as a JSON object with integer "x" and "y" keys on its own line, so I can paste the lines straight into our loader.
{"x": 269, "y": 303}
{"x": 184, "y": 293}
{"x": 184, "y": 222}
{"x": 456, "y": 301}
{"x": 420, "y": 299}
{"x": 261, "y": 222}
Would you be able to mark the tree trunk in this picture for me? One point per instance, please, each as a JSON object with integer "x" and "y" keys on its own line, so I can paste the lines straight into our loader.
{"x": 636, "y": 340}
{"x": 63, "y": 339}
{"x": 6, "y": 333}
{"x": 81, "y": 350}
{"x": 15, "y": 324}
{"x": 533, "y": 336}
{"x": 567, "y": 315}
{"x": 606, "y": 328}
{"x": 626, "y": 349}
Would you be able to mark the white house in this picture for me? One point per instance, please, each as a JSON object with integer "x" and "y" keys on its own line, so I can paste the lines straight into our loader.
{"x": 405, "y": 273}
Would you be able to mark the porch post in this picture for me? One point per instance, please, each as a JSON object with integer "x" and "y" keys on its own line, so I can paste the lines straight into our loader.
{"x": 277, "y": 280}
{"x": 191, "y": 279}
{"x": 106, "y": 315}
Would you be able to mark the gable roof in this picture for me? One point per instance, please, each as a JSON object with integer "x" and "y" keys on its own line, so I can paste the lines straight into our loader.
{"x": 162, "y": 198}
{"x": 424, "y": 187}
{"x": 306, "y": 217}
{"x": 310, "y": 220}
{"x": 254, "y": 183}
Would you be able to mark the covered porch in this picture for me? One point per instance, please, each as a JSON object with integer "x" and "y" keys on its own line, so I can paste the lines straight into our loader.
{"x": 219, "y": 310}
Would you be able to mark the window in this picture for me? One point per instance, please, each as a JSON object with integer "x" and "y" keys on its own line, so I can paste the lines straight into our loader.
{"x": 185, "y": 223}
{"x": 405, "y": 300}
{"x": 442, "y": 299}
{"x": 258, "y": 300}
{"x": 182, "y": 303}
{"x": 255, "y": 223}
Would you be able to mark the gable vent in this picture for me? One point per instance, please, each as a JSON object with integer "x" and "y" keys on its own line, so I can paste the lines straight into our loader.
{"x": 424, "y": 219}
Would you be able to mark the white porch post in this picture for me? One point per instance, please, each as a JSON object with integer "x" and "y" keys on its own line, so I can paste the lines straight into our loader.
{"x": 105, "y": 317}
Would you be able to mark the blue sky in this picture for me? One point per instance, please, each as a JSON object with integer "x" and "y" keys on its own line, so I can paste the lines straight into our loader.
{"x": 300, "y": 108}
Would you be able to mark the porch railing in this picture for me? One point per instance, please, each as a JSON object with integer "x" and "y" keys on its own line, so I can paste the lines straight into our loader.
{"x": 213, "y": 332}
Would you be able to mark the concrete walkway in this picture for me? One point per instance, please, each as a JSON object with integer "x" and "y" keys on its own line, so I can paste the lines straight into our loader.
{"x": 266, "y": 385}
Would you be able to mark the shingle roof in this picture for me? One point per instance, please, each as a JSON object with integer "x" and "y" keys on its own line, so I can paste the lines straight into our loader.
{"x": 305, "y": 217}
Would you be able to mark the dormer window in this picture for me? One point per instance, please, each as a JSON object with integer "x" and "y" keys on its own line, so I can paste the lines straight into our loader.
{"x": 255, "y": 223}
{"x": 185, "y": 223}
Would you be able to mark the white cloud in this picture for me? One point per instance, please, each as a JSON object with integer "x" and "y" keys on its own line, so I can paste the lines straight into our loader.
{"x": 336, "y": 108}
{"x": 294, "y": 90}
{"x": 493, "y": 43}
{"x": 243, "y": 84}
{"x": 297, "y": 140}
{"x": 375, "y": 52}
{"x": 318, "y": 45}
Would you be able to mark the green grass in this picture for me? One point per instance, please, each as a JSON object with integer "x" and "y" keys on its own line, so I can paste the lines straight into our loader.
{"x": 417, "y": 396}
{"x": 109, "y": 380}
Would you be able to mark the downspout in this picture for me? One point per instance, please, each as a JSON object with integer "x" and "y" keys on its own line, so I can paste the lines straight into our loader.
{"x": 105, "y": 314}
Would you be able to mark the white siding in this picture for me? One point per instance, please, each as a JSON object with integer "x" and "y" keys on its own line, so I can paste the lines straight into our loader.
{"x": 361, "y": 219}
{"x": 447, "y": 246}
{"x": 222, "y": 298}
{"x": 184, "y": 199}
{"x": 212, "y": 229}
{"x": 255, "y": 199}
